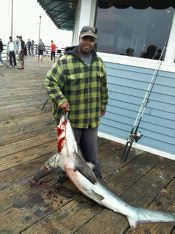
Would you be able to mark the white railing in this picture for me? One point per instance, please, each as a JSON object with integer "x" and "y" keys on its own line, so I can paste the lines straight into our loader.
{"x": 47, "y": 52}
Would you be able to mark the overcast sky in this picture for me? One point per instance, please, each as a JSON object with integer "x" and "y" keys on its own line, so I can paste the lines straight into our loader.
{"x": 26, "y": 23}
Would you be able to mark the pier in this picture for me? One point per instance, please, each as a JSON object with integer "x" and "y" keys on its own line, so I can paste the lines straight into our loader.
{"x": 28, "y": 138}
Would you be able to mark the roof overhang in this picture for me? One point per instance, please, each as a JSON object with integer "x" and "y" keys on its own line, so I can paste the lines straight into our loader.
{"x": 62, "y": 12}
{"x": 138, "y": 4}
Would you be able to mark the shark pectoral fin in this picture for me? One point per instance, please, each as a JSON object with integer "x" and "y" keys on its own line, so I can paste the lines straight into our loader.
{"x": 43, "y": 172}
{"x": 83, "y": 168}
{"x": 132, "y": 222}
{"x": 53, "y": 162}
{"x": 97, "y": 197}
{"x": 50, "y": 166}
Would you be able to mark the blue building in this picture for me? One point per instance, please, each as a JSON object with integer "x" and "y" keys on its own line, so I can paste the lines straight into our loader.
{"x": 132, "y": 35}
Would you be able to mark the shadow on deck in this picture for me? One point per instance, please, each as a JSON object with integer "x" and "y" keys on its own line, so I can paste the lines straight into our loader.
{"x": 28, "y": 138}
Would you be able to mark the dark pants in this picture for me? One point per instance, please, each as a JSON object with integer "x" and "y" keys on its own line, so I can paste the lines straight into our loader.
{"x": 88, "y": 142}
{"x": 53, "y": 55}
{"x": 21, "y": 58}
{"x": 12, "y": 57}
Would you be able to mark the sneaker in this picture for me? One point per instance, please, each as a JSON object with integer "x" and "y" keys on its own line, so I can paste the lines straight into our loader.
{"x": 11, "y": 66}
{"x": 62, "y": 177}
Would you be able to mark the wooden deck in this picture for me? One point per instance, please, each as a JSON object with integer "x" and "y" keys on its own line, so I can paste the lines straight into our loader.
{"x": 28, "y": 138}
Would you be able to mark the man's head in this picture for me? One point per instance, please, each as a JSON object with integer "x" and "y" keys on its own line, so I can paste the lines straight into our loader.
{"x": 87, "y": 39}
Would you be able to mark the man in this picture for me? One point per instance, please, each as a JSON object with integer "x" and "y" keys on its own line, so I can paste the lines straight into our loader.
{"x": 53, "y": 50}
{"x": 17, "y": 41}
{"x": 77, "y": 83}
{"x": 41, "y": 49}
{"x": 1, "y": 49}
{"x": 21, "y": 54}
{"x": 29, "y": 43}
{"x": 32, "y": 46}
{"x": 11, "y": 51}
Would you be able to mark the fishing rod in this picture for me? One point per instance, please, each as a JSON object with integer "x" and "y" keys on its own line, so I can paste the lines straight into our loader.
{"x": 136, "y": 135}
{"x": 1, "y": 74}
{"x": 45, "y": 103}
{"x": 5, "y": 64}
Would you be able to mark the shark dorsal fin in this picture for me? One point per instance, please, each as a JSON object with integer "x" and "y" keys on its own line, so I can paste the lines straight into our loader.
{"x": 84, "y": 169}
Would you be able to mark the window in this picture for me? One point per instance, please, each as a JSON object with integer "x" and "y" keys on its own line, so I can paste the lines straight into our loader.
{"x": 133, "y": 32}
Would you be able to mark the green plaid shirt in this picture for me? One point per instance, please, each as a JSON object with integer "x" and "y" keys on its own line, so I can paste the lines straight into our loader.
{"x": 84, "y": 86}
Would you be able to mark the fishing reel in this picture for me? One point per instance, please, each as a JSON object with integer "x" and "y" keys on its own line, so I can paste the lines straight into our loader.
{"x": 136, "y": 136}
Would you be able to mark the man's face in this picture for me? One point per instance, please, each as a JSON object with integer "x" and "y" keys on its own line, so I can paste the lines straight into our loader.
{"x": 86, "y": 44}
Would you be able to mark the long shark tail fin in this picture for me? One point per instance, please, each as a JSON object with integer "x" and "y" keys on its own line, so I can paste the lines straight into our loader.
{"x": 146, "y": 216}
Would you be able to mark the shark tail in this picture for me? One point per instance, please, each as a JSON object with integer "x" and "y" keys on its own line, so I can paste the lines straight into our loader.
{"x": 148, "y": 216}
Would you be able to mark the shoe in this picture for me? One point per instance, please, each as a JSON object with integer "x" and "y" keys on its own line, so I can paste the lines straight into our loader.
{"x": 11, "y": 66}
{"x": 62, "y": 177}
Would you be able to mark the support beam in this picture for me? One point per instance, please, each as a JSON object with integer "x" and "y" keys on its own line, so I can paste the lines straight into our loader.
{"x": 85, "y": 16}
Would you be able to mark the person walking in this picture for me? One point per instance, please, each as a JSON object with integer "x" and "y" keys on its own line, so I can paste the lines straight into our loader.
{"x": 28, "y": 44}
{"x": 22, "y": 48}
{"x": 41, "y": 49}
{"x": 78, "y": 83}
{"x": 17, "y": 41}
{"x": 53, "y": 50}
{"x": 1, "y": 49}
{"x": 32, "y": 47}
{"x": 11, "y": 51}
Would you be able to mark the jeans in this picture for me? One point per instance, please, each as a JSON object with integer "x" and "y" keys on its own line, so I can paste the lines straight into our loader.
{"x": 12, "y": 57}
{"x": 88, "y": 143}
{"x": 1, "y": 58}
{"x": 53, "y": 55}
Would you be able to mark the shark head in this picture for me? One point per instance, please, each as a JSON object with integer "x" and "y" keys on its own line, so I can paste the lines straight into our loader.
{"x": 67, "y": 144}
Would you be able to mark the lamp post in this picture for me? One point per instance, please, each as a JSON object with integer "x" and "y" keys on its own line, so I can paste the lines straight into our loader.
{"x": 11, "y": 34}
{"x": 39, "y": 28}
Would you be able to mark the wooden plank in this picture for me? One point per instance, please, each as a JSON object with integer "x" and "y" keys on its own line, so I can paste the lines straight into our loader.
{"x": 84, "y": 211}
{"x": 28, "y": 139}
{"x": 28, "y": 154}
{"x": 22, "y": 172}
{"x": 22, "y": 111}
{"x": 27, "y": 143}
{"x": 25, "y": 130}
{"x": 68, "y": 219}
{"x": 27, "y": 206}
{"x": 164, "y": 201}
{"x": 108, "y": 221}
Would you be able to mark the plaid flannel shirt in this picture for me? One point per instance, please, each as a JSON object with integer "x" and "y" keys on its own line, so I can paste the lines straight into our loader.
{"x": 83, "y": 86}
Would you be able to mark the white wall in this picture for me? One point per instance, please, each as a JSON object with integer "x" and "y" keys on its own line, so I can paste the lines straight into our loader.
{"x": 85, "y": 16}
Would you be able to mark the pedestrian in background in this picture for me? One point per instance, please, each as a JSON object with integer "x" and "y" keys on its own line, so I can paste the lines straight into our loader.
{"x": 53, "y": 51}
{"x": 17, "y": 41}
{"x": 11, "y": 51}
{"x": 32, "y": 47}
{"x": 29, "y": 46}
{"x": 21, "y": 54}
{"x": 1, "y": 49}
{"x": 41, "y": 49}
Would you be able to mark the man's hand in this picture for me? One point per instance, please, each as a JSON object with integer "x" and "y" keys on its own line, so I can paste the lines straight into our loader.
{"x": 65, "y": 106}
{"x": 102, "y": 113}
